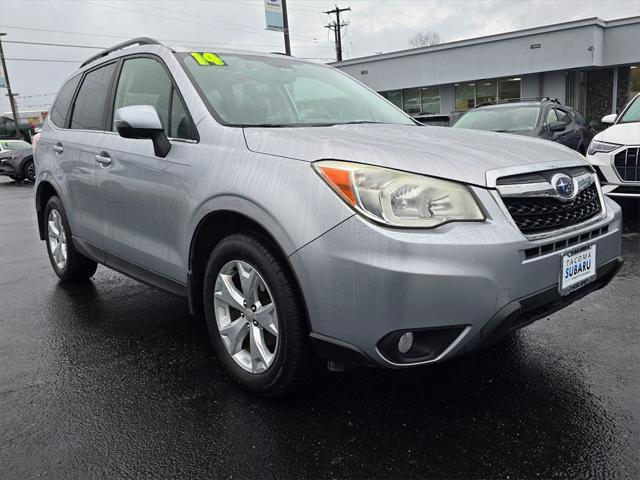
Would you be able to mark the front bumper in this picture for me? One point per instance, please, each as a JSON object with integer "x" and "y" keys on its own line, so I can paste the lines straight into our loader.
{"x": 7, "y": 167}
{"x": 610, "y": 180}
{"x": 363, "y": 282}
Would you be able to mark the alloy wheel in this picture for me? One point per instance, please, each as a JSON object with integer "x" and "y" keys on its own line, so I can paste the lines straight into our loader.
{"x": 57, "y": 239}
{"x": 31, "y": 171}
{"x": 246, "y": 316}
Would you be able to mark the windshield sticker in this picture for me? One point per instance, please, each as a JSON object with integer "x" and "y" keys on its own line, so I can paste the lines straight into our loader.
{"x": 208, "y": 58}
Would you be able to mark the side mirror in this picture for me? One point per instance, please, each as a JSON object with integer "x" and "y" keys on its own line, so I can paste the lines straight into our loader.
{"x": 143, "y": 121}
{"x": 611, "y": 118}
{"x": 557, "y": 126}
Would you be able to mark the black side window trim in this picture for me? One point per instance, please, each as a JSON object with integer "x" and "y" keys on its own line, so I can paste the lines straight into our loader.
{"x": 114, "y": 87}
{"x": 75, "y": 95}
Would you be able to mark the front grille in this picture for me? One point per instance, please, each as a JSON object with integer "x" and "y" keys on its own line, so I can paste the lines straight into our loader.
{"x": 535, "y": 215}
{"x": 627, "y": 163}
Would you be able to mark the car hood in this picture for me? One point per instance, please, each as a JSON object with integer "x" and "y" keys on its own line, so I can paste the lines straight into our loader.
{"x": 622, "y": 133}
{"x": 452, "y": 153}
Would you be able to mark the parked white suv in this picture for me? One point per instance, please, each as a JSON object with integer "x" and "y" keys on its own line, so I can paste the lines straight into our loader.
{"x": 615, "y": 152}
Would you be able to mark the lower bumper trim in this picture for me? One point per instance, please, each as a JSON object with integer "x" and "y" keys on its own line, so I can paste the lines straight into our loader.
{"x": 524, "y": 311}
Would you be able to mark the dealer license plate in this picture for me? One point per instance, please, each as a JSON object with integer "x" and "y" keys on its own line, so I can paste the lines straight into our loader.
{"x": 578, "y": 268}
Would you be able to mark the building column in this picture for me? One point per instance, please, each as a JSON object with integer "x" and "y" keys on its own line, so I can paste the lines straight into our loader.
{"x": 614, "y": 100}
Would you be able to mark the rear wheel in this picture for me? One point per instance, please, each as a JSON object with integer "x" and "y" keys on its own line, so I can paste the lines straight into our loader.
{"x": 255, "y": 316}
{"x": 69, "y": 264}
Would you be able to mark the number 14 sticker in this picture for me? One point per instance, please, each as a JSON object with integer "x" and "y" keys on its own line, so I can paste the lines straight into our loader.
{"x": 208, "y": 58}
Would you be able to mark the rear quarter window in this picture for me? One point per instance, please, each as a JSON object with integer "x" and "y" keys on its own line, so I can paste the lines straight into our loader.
{"x": 60, "y": 108}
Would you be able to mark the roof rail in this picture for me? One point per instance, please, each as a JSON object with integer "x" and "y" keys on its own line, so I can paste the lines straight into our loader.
{"x": 522, "y": 99}
{"x": 120, "y": 46}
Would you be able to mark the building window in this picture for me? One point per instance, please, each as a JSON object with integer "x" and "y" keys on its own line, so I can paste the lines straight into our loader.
{"x": 628, "y": 85}
{"x": 486, "y": 91}
{"x": 411, "y": 100}
{"x": 394, "y": 96}
{"x": 430, "y": 99}
{"x": 465, "y": 94}
{"x": 509, "y": 88}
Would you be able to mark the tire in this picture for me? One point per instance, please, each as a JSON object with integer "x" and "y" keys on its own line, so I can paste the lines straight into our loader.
{"x": 29, "y": 170}
{"x": 292, "y": 359}
{"x": 75, "y": 267}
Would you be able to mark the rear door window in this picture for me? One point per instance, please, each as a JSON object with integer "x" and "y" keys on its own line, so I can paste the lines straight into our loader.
{"x": 60, "y": 108}
{"x": 90, "y": 106}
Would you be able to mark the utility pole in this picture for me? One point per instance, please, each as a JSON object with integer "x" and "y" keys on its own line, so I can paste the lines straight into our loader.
{"x": 285, "y": 25}
{"x": 12, "y": 100}
{"x": 336, "y": 27}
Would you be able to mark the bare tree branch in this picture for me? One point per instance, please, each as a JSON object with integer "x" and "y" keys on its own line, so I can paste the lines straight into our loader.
{"x": 425, "y": 38}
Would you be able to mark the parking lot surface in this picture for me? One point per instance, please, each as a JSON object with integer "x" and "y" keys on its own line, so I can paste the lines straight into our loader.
{"x": 115, "y": 379}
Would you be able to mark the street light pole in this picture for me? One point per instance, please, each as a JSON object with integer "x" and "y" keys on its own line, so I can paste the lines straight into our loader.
{"x": 12, "y": 101}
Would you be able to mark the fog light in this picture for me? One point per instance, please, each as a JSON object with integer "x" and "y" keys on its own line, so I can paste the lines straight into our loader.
{"x": 406, "y": 342}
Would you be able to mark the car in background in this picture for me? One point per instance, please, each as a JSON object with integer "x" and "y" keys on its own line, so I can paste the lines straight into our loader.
{"x": 543, "y": 118}
{"x": 8, "y": 128}
{"x": 438, "y": 120}
{"x": 16, "y": 160}
{"x": 615, "y": 152}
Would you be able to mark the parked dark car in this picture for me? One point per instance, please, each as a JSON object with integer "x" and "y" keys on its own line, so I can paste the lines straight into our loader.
{"x": 543, "y": 118}
{"x": 16, "y": 160}
{"x": 438, "y": 120}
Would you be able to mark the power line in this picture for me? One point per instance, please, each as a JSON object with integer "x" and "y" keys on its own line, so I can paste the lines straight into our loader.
{"x": 185, "y": 43}
{"x": 191, "y": 22}
{"x": 53, "y": 44}
{"x": 53, "y": 60}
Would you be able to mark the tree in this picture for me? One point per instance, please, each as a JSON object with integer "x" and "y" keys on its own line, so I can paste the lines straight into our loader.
{"x": 425, "y": 38}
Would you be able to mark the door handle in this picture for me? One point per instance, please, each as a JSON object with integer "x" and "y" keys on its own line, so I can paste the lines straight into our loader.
{"x": 58, "y": 148}
{"x": 104, "y": 159}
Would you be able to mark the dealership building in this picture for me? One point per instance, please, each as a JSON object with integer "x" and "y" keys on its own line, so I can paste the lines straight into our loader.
{"x": 592, "y": 65}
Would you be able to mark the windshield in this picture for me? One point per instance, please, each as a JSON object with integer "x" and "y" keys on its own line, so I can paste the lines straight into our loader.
{"x": 633, "y": 112}
{"x": 14, "y": 144}
{"x": 253, "y": 90}
{"x": 501, "y": 119}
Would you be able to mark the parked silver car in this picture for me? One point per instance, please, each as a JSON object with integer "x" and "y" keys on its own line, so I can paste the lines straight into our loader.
{"x": 308, "y": 217}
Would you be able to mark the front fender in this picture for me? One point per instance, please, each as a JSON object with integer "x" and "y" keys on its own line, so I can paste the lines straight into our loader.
{"x": 247, "y": 208}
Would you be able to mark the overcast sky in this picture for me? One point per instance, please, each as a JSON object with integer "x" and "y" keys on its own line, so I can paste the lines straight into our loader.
{"x": 374, "y": 26}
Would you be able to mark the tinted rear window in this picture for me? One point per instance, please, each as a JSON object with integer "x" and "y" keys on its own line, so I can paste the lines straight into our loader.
{"x": 91, "y": 102}
{"x": 61, "y": 106}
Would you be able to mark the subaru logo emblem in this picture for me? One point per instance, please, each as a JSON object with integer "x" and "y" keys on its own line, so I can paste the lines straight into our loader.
{"x": 563, "y": 185}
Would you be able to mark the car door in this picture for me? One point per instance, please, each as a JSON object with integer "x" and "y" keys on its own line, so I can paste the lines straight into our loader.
{"x": 76, "y": 148}
{"x": 555, "y": 115}
{"x": 144, "y": 198}
{"x": 571, "y": 133}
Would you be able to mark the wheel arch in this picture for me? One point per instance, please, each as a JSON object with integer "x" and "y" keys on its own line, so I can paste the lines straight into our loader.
{"x": 44, "y": 192}
{"x": 24, "y": 161}
{"x": 213, "y": 228}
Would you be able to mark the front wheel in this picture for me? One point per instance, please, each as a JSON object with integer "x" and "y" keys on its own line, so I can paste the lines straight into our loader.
{"x": 69, "y": 264}
{"x": 29, "y": 170}
{"x": 255, "y": 316}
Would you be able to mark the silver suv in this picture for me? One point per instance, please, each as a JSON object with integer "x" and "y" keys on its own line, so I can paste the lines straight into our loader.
{"x": 306, "y": 217}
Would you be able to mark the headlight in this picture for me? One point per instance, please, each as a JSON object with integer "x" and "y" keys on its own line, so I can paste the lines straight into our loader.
{"x": 604, "y": 147}
{"x": 397, "y": 198}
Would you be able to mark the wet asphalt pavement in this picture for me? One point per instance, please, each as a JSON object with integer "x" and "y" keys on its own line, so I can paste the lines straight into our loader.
{"x": 114, "y": 379}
